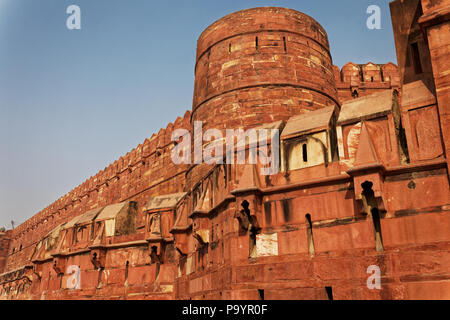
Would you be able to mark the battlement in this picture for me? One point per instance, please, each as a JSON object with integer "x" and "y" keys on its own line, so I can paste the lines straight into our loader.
{"x": 357, "y": 80}
{"x": 103, "y": 188}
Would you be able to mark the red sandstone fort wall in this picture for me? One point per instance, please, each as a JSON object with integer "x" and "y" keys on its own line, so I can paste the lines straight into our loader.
{"x": 242, "y": 82}
{"x": 4, "y": 246}
{"x": 259, "y": 66}
{"x": 146, "y": 170}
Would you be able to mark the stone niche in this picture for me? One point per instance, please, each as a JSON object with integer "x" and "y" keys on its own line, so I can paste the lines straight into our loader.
{"x": 383, "y": 123}
{"x": 160, "y": 214}
{"x": 309, "y": 139}
{"x": 120, "y": 219}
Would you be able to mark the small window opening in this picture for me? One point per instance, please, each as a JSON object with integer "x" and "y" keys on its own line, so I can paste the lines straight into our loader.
{"x": 256, "y": 43}
{"x": 284, "y": 44}
{"x": 261, "y": 294}
{"x": 309, "y": 234}
{"x": 377, "y": 228}
{"x": 399, "y": 130}
{"x": 99, "y": 279}
{"x": 158, "y": 268}
{"x": 371, "y": 79}
{"x": 229, "y": 48}
{"x": 329, "y": 291}
{"x": 252, "y": 231}
{"x": 305, "y": 153}
{"x": 154, "y": 255}
{"x": 370, "y": 206}
{"x": 127, "y": 265}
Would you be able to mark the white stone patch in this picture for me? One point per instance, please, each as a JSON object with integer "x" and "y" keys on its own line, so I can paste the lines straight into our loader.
{"x": 109, "y": 227}
{"x": 266, "y": 245}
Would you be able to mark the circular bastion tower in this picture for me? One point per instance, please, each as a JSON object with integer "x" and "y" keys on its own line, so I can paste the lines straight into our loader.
{"x": 258, "y": 66}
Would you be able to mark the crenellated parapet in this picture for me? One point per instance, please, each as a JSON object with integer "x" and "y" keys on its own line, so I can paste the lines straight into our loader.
{"x": 146, "y": 167}
{"x": 358, "y": 80}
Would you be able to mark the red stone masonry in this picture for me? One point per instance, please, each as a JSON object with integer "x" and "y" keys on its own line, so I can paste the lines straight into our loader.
{"x": 266, "y": 61}
{"x": 258, "y": 66}
{"x": 4, "y": 247}
{"x": 146, "y": 170}
{"x": 364, "y": 181}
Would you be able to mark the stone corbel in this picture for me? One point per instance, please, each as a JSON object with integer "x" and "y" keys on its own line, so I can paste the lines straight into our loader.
{"x": 202, "y": 237}
{"x": 247, "y": 215}
{"x": 181, "y": 243}
{"x": 243, "y": 220}
{"x": 98, "y": 257}
{"x": 368, "y": 180}
{"x": 155, "y": 249}
{"x": 59, "y": 264}
{"x": 28, "y": 276}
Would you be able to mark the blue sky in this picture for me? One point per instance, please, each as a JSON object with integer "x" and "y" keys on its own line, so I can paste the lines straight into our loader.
{"x": 73, "y": 101}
